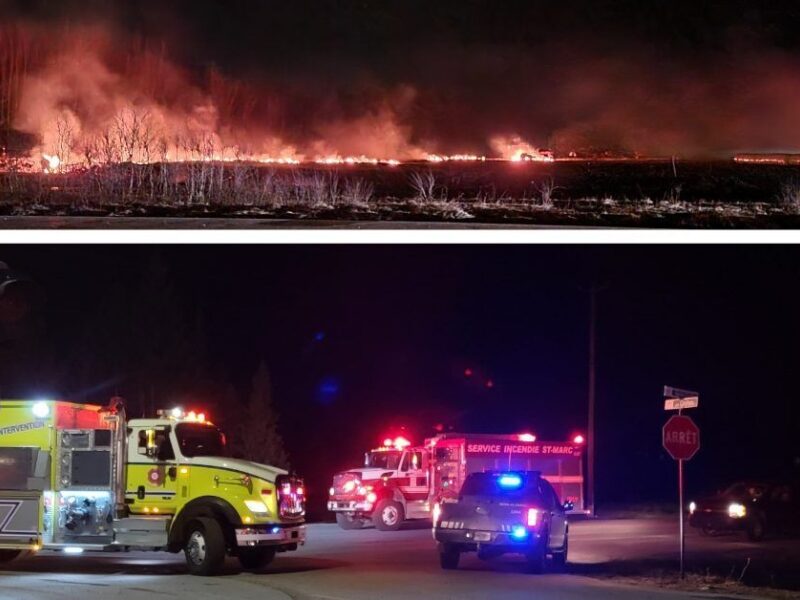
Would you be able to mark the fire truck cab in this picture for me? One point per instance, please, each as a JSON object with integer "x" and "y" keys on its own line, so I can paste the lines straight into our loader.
{"x": 78, "y": 477}
{"x": 399, "y": 482}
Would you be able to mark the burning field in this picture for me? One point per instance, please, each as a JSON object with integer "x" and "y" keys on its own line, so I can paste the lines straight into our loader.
{"x": 96, "y": 115}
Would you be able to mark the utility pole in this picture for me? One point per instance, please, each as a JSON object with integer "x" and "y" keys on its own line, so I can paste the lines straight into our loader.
{"x": 590, "y": 446}
{"x": 590, "y": 431}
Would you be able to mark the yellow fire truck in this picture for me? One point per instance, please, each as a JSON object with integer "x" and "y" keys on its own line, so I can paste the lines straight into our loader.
{"x": 78, "y": 477}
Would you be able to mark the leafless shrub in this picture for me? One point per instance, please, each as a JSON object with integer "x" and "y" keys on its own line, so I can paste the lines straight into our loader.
{"x": 790, "y": 195}
{"x": 546, "y": 190}
{"x": 358, "y": 192}
{"x": 424, "y": 185}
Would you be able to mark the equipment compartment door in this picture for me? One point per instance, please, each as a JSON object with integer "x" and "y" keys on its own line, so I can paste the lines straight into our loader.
{"x": 19, "y": 519}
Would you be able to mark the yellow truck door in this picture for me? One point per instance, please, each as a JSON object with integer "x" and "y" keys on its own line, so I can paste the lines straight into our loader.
{"x": 152, "y": 472}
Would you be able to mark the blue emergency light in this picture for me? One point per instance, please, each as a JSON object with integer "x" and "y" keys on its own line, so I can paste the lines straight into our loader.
{"x": 519, "y": 532}
{"x": 509, "y": 481}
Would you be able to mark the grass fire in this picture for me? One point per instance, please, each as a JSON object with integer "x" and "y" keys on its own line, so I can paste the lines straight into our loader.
{"x": 211, "y": 105}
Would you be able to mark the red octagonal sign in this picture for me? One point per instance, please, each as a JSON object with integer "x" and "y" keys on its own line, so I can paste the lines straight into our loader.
{"x": 681, "y": 437}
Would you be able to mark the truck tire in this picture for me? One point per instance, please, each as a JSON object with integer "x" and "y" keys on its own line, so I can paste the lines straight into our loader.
{"x": 560, "y": 557}
{"x": 388, "y": 515}
{"x": 449, "y": 557}
{"x": 255, "y": 559}
{"x": 204, "y": 547}
{"x": 6, "y": 556}
{"x": 348, "y": 523}
{"x": 537, "y": 557}
{"x": 755, "y": 529}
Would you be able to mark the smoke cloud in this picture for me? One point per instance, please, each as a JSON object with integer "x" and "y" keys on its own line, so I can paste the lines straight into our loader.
{"x": 176, "y": 88}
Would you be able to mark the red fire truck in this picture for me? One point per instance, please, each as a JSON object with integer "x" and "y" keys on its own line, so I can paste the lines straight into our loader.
{"x": 399, "y": 481}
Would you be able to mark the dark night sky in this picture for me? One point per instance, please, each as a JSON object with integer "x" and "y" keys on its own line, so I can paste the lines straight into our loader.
{"x": 401, "y": 323}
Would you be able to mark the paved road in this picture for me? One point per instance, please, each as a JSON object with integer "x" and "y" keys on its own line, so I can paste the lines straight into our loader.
{"x": 368, "y": 564}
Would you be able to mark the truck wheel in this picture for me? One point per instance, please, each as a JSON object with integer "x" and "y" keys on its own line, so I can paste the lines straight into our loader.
{"x": 560, "y": 557}
{"x": 537, "y": 557}
{"x": 347, "y": 523}
{"x": 6, "y": 556}
{"x": 755, "y": 529}
{"x": 254, "y": 559}
{"x": 205, "y": 547}
{"x": 388, "y": 515}
{"x": 449, "y": 557}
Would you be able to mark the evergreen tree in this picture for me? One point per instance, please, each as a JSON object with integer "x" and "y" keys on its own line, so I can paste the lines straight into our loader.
{"x": 258, "y": 438}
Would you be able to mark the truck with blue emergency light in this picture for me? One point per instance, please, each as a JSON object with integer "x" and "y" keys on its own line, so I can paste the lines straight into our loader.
{"x": 80, "y": 477}
{"x": 503, "y": 512}
{"x": 400, "y": 482}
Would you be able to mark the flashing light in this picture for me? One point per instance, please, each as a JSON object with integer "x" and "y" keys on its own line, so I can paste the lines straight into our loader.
{"x": 192, "y": 416}
{"x": 518, "y": 532}
{"x": 201, "y": 418}
{"x": 73, "y": 550}
{"x": 184, "y": 470}
{"x": 736, "y": 510}
{"x": 526, "y": 437}
{"x": 578, "y": 439}
{"x": 40, "y": 410}
{"x": 248, "y": 520}
{"x": 349, "y": 486}
{"x": 387, "y": 442}
{"x": 533, "y": 517}
{"x": 437, "y": 512}
{"x": 155, "y": 509}
{"x": 400, "y": 442}
{"x": 299, "y": 491}
{"x": 692, "y": 508}
{"x": 372, "y": 497}
{"x": 275, "y": 529}
{"x": 331, "y": 491}
{"x": 256, "y": 506}
{"x": 509, "y": 480}
{"x": 176, "y": 413}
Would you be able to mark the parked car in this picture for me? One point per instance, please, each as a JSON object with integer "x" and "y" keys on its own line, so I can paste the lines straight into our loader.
{"x": 755, "y": 507}
{"x": 500, "y": 512}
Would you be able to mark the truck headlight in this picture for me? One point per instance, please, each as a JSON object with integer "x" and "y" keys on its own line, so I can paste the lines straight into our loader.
{"x": 256, "y": 506}
{"x": 692, "y": 508}
{"x": 736, "y": 510}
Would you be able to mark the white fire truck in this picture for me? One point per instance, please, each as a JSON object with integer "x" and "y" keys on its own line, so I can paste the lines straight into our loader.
{"x": 400, "y": 482}
{"x": 80, "y": 477}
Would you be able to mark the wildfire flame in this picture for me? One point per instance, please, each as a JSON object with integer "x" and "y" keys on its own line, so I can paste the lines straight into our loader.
{"x": 50, "y": 163}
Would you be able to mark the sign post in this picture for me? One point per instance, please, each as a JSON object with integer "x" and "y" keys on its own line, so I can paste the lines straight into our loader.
{"x": 681, "y": 439}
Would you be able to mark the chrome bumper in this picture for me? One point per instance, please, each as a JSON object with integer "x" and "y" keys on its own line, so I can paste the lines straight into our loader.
{"x": 271, "y": 536}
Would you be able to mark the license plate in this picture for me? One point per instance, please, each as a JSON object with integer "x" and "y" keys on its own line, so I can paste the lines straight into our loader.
{"x": 482, "y": 536}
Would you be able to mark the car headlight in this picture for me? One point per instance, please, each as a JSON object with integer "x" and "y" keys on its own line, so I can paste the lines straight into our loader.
{"x": 692, "y": 508}
{"x": 256, "y": 506}
{"x": 736, "y": 510}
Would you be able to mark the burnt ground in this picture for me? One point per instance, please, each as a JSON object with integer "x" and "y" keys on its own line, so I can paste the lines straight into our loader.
{"x": 653, "y": 194}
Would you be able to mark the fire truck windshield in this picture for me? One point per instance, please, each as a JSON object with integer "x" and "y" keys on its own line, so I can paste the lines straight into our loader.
{"x": 199, "y": 439}
{"x": 383, "y": 459}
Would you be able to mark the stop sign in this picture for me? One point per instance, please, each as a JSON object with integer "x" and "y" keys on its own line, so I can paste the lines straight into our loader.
{"x": 681, "y": 437}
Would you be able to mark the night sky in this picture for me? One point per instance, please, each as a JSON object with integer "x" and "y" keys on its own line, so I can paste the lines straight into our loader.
{"x": 360, "y": 339}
